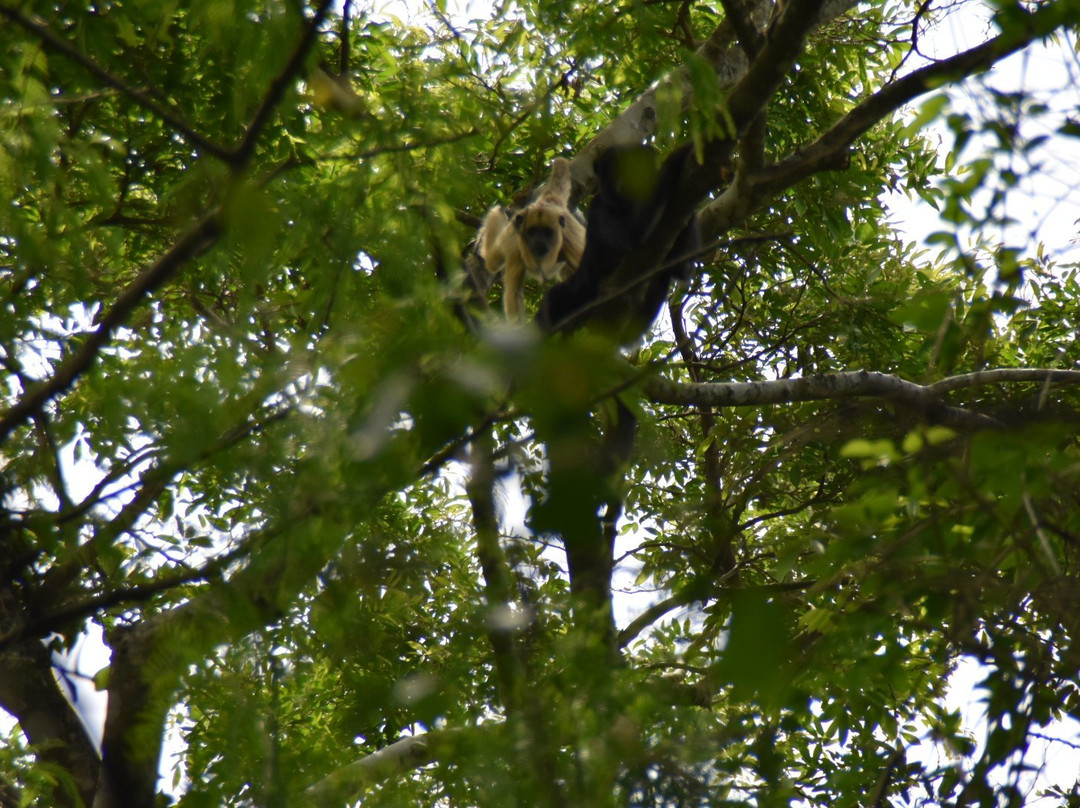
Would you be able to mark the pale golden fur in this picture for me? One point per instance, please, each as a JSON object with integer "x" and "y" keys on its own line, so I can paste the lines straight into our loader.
{"x": 544, "y": 238}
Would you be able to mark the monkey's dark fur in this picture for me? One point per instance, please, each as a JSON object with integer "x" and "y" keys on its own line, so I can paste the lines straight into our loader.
{"x": 633, "y": 194}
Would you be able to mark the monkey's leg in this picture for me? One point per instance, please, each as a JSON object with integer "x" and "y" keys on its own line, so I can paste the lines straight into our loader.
{"x": 573, "y": 246}
{"x": 514, "y": 288}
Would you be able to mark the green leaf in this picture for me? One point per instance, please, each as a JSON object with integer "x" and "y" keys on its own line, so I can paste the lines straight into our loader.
{"x": 929, "y": 111}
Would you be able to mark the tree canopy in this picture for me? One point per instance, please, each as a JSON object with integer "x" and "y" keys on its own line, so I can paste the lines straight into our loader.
{"x": 264, "y": 424}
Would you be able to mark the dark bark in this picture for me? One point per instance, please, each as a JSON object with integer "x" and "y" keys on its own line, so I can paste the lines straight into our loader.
{"x": 29, "y": 691}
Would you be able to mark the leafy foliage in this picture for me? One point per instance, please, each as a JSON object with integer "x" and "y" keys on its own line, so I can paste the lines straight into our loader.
{"x": 261, "y": 427}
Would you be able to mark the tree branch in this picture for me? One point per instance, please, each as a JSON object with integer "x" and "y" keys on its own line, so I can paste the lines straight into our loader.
{"x": 194, "y": 242}
{"x": 829, "y": 151}
{"x": 139, "y": 593}
{"x": 853, "y": 384}
{"x": 722, "y": 549}
{"x": 278, "y": 86}
{"x": 150, "y": 655}
{"x": 29, "y": 691}
{"x": 401, "y": 756}
{"x": 783, "y": 46}
{"x": 690, "y": 595}
{"x": 742, "y": 20}
{"x": 639, "y": 121}
{"x": 652, "y": 614}
{"x": 745, "y": 104}
{"x": 38, "y": 28}
{"x": 497, "y": 580}
{"x": 525, "y": 717}
{"x": 1004, "y": 375}
{"x": 147, "y": 657}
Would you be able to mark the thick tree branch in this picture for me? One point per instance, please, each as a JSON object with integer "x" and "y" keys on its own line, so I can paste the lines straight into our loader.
{"x": 150, "y": 655}
{"x": 525, "y": 719}
{"x": 981, "y": 378}
{"x": 497, "y": 579}
{"x": 56, "y": 620}
{"x": 746, "y": 103}
{"x": 829, "y": 151}
{"x": 742, "y": 20}
{"x": 853, "y": 384}
{"x": 783, "y": 46}
{"x": 722, "y": 51}
{"x": 400, "y": 757}
{"x": 29, "y": 691}
{"x": 136, "y": 710}
{"x": 147, "y": 658}
{"x": 651, "y": 615}
{"x": 690, "y": 595}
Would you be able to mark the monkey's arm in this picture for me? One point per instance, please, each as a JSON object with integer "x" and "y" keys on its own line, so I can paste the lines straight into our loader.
{"x": 493, "y": 239}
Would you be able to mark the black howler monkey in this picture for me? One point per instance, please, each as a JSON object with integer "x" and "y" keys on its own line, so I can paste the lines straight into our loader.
{"x": 633, "y": 194}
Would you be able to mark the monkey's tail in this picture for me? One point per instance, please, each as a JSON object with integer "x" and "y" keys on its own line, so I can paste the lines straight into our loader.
{"x": 558, "y": 186}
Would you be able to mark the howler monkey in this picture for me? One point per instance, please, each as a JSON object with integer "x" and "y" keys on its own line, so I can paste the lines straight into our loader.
{"x": 633, "y": 194}
{"x": 543, "y": 238}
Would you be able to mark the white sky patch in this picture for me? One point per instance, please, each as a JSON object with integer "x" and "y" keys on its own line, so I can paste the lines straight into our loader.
{"x": 1046, "y": 202}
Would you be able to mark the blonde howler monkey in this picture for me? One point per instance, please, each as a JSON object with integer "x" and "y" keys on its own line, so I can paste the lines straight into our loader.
{"x": 544, "y": 238}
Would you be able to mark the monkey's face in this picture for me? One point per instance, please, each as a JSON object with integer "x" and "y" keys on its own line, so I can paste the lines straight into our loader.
{"x": 539, "y": 228}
